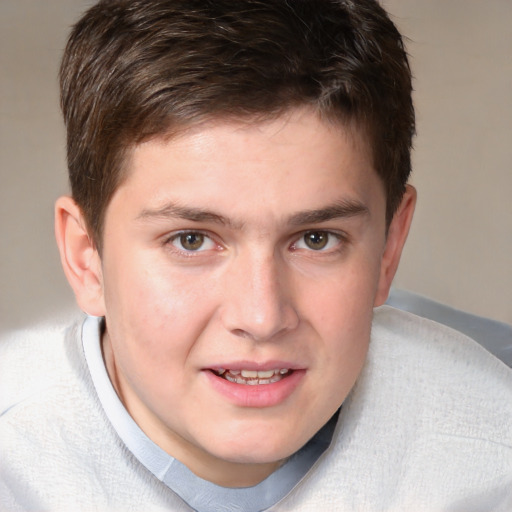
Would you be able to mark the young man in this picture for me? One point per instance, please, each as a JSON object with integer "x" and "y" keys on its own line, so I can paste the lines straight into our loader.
{"x": 239, "y": 206}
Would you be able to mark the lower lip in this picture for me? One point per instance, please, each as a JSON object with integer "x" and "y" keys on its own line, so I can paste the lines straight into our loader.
{"x": 258, "y": 395}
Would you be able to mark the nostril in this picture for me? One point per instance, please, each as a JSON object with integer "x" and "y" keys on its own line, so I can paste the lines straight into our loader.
{"x": 241, "y": 333}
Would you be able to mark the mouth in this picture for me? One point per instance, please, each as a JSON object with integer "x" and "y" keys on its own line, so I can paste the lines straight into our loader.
{"x": 244, "y": 385}
{"x": 253, "y": 377}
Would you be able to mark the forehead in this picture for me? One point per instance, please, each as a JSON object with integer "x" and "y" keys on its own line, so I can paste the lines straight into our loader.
{"x": 236, "y": 163}
{"x": 291, "y": 126}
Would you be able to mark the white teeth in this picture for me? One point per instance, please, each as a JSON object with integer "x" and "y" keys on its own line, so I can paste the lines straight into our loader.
{"x": 261, "y": 374}
{"x": 265, "y": 374}
{"x": 249, "y": 374}
{"x": 237, "y": 380}
{"x": 253, "y": 377}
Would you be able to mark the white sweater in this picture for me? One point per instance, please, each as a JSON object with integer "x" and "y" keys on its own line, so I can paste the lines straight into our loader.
{"x": 428, "y": 427}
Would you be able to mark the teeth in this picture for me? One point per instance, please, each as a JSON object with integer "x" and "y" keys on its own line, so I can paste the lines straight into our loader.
{"x": 265, "y": 374}
{"x": 262, "y": 374}
{"x": 253, "y": 377}
{"x": 237, "y": 380}
{"x": 249, "y": 374}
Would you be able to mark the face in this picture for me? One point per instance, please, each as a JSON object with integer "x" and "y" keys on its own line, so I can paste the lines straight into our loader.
{"x": 239, "y": 270}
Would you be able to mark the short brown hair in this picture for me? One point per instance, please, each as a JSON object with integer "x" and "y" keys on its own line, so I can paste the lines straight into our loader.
{"x": 137, "y": 69}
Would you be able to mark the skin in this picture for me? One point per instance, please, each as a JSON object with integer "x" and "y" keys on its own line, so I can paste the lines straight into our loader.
{"x": 248, "y": 291}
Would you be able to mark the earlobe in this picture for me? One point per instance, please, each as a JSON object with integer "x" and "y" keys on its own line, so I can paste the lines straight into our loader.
{"x": 397, "y": 235}
{"x": 79, "y": 257}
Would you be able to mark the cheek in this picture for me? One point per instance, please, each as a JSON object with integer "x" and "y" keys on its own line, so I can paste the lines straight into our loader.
{"x": 154, "y": 329}
{"x": 344, "y": 299}
{"x": 147, "y": 287}
{"x": 154, "y": 311}
{"x": 346, "y": 336}
{"x": 341, "y": 312}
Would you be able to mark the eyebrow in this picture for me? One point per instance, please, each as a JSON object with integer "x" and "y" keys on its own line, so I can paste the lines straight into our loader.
{"x": 340, "y": 209}
{"x": 173, "y": 210}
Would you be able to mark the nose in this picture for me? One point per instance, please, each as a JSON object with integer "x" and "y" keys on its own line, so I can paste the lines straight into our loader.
{"x": 258, "y": 299}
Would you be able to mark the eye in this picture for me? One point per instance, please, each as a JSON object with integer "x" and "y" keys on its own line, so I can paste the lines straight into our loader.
{"x": 317, "y": 241}
{"x": 192, "y": 241}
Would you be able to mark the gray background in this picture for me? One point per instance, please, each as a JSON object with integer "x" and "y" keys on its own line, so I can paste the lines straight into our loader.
{"x": 460, "y": 246}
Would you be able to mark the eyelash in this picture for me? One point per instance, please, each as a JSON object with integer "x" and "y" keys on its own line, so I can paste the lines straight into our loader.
{"x": 189, "y": 252}
{"x": 341, "y": 240}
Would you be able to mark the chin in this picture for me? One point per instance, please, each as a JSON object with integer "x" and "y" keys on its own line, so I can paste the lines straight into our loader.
{"x": 263, "y": 448}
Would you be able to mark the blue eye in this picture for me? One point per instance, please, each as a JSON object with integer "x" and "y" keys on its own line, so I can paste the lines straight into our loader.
{"x": 192, "y": 241}
{"x": 318, "y": 241}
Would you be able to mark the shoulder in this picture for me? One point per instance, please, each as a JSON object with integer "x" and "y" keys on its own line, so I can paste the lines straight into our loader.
{"x": 58, "y": 450}
{"x": 440, "y": 372}
{"x": 413, "y": 347}
{"x": 35, "y": 359}
{"x": 426, "y": 427}
{"x": 495, "y": 336}
{"x": 439, "y": 408}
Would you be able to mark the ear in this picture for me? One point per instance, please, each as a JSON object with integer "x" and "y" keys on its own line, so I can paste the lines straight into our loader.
{"x": 79, "y": 257}
{"x": 395, "y": 241}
